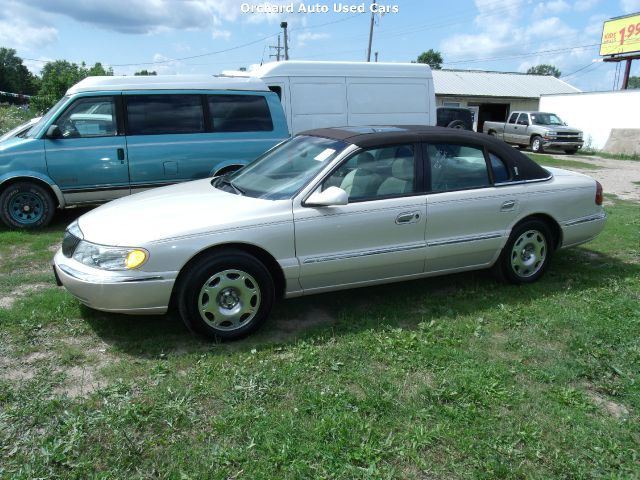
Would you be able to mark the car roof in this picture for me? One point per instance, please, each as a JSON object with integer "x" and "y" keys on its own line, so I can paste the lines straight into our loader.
{"x": 381, "y": 135}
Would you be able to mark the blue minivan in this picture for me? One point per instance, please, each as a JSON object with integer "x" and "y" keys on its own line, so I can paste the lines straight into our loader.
{"x": 114, "y": 136}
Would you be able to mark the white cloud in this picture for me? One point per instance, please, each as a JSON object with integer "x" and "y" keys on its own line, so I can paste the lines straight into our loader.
{"x": 584, "y": 5}
{"x": 303, "y": 38}
{"x": 224, "y": 34}
{"x": 23, "y": 28}
{"x": 630, "y": 6}
{"x": 551, "y": 8}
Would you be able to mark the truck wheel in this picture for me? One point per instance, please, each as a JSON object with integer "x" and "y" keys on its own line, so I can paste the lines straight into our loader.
{"x": 536, "y": 144}
{"x": 26, "y": 205}
{"x": 492, "y": 133}
{"x": 459, "y": 124}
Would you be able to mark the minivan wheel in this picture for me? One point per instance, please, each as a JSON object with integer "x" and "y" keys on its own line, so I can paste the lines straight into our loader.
{"x": 26, "y": 205}
{"x": 226, "y": 295}
{"x": 536, "y": 144}
{"x": 527, "y": 253}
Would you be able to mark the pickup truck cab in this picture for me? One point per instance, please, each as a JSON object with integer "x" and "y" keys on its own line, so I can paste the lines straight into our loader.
{"x": 110, "y": 137}
{"x": 539, "y": 130}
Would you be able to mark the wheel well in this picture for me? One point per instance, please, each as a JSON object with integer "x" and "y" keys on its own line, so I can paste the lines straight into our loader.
{"x": 553, "y": 225}
{"x": 35, "y": 180}
{"x": 265, "y": 257}
{"x": 490, "y": 131}
{"x": 534, "y": 136}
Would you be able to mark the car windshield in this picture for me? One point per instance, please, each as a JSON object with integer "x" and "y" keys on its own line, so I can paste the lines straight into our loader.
{"x": 546, "y": 119}
{"x": 47, "y": 116}
{"x": 283, "y": 171}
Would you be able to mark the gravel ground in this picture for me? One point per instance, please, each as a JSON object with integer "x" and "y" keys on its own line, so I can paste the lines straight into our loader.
{"x": 618, "y": 177}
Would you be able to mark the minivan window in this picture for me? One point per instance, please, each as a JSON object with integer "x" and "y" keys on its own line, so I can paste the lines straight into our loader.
{"x": 239, "y": 113}
{"x": 82, "y": 119}
{"x": 164, "y": 114}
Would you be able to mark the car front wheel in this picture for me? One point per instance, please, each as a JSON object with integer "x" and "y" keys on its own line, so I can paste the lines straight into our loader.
{"x": 26, "y": 205}
{"x": 226, "y": 295}
{"x": 536, "y": 145}
{"x": 527, "y": 253}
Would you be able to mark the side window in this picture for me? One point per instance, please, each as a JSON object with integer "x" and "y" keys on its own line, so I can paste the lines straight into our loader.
{"x": 239, "y": 113}
{"x": 456, "y": 167}
{"x": 512, "y": 118}
{"x": 89, "y": 117}
{"x": 376, "y": 173}
{"x": 164, "y": 114}
{"x": 523, "y": 119}
{"x": 500, "y": 172}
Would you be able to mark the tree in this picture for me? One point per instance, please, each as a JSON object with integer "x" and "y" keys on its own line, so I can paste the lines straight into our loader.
{"x": 14, "y": 76}
{"x": 146, "y": 72}
{"x": 544, "y": 69}
{"x": 432, "y": 58}
{"x": 58, "y": 76}
{"x": 634, "y": 82}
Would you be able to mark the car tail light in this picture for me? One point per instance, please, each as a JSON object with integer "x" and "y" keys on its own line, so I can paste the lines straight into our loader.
{"x": 598, "y": 193}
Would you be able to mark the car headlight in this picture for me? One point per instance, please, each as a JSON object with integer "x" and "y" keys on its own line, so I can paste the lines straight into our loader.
{"x": 580, "y": 135}
{"x": 109, "y": 258}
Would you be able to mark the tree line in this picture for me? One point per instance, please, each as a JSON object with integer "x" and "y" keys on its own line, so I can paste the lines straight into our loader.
{"x": 54, "y": 80}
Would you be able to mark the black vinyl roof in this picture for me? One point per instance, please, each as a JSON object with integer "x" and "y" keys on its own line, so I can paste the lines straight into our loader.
{"x": 376, "y": 136}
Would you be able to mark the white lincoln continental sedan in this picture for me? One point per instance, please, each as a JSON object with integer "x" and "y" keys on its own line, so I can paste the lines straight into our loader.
{"x": 329, "y": 209}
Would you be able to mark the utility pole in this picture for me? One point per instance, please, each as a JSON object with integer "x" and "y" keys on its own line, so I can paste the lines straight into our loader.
{"x": 376, "y": 56}
{"x": 283, "y": 25}
{"x": 373, "y": 2}
{"x": 277, "y": 49}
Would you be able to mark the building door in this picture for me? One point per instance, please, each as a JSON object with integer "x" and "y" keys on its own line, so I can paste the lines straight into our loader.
{"x": 492, "y": 112}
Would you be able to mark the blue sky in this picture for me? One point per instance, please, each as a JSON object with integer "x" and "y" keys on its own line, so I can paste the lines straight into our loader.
{"x": 500, "y": 35}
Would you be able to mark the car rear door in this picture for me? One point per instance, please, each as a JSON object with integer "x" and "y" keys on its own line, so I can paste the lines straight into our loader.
{"x": 469, "y": 207}
{"x": 378, "y": 235}
{"x": 509, "y": 128}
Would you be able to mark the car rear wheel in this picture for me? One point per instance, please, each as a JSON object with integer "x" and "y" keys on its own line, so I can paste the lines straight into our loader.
{"x": 226, "y": 295}
{"x": 527, "y": 253}
{"x": 459, "y": 124}
{"x": 536, "y": 144}
{"x": 26, "y": 205}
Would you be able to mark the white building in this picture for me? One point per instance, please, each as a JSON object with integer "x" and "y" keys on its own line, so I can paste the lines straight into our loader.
{"x": 492, "y": 95}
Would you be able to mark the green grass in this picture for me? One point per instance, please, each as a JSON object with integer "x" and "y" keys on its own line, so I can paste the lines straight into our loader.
{"x": 613, "y": 156}
{"x": 549, "y": 161}
{"x": 450, "y": 377}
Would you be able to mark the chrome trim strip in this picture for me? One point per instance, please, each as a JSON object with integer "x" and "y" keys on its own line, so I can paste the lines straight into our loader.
{"x": 237, "y": 140}
{"x": 590, "y": 218}
{"x": 473, "y": 238}
{"x": 345, "y": 256}
{"x": 87, "y": 277}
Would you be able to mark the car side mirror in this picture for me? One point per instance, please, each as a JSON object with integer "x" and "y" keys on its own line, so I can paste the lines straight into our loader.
{"x": 54, "y": 132}
{"x": 332, "y": 196}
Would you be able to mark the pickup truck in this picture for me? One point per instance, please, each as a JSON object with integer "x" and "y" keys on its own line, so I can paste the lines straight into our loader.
{"x": 540, "y": 130}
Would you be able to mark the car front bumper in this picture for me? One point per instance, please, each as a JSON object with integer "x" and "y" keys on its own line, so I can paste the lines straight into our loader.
{"x": 133, "y": 292}
{"x": 561, "y": 144}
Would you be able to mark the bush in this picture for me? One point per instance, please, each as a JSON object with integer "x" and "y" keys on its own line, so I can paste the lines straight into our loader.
{"x": 11, "y": 116}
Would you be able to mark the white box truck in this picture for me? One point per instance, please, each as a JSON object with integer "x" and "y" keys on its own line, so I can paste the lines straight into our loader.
{"x": 337, "y": 94}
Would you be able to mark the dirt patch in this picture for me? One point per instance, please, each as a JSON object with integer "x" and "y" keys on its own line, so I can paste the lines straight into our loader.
{"x": 7, "y": 300}
{"x": 289, "y": 328}
{"x": 618, "y": 177}
{"x": 55, "y": 247}
{"x": 614, "y": 409}
{"x": 416, "y": 380}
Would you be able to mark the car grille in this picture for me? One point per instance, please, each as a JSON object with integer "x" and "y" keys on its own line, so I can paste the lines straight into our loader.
{"x": 69, "y": 244}
{"x": 568, "y": 137}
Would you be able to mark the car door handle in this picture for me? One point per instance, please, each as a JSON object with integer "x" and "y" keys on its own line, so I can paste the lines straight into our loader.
{"x": 508, "y": 205}
{"x": 121, "y": 155}
{"x": 410, "y": 217}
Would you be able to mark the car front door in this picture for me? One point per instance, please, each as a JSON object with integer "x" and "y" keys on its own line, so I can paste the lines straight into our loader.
{"x": 88, "y": 159}
{"x": 378, "y": 235}
{"x": 521, "y": 134}
{"x": 469, "y": 207}
{"x": 509, "y": 127}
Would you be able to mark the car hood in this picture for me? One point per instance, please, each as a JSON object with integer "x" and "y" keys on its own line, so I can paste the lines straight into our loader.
{"x": 186, "y": 209}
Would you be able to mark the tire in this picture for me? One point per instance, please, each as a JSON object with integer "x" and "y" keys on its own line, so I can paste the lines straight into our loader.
{"x": 243, "y": 289}
{"x": 459, "y": 124}
{"x": 571, "y": 151}
{"x": 536, "y": 144}
{"x": 527, "y": 254}
{"x": 26, "y": 206}
{"x": 492, "y": 133}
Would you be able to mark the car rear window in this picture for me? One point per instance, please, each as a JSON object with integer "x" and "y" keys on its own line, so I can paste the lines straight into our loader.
{"x": 164, "y": 114}
{"x": 239, "y": 113}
